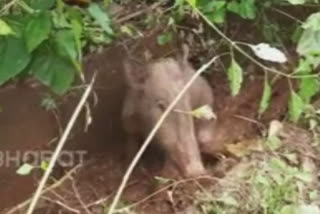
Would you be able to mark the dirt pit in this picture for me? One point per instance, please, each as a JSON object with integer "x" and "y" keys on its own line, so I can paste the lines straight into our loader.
{"x": 26, "y": 126}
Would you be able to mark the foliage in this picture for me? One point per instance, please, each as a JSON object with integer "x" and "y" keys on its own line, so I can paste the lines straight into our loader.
{"x": 235, "y": 77}
{"x": 271, "y": 182}
{"x": 306, "y": 36}
{"x": 216, "y": 10}
{"x": 25, "y": 169}
{"x": 48, "y": 103}
{"x": 265, "y": 97}
{"x": 270, "y": 186}
{"x": 45, "y": 38}
{"x": 164, "y": 38}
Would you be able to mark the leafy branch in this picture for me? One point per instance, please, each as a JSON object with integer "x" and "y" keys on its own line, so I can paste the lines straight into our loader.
{"x": 46, "y": 38}
{"x": 308, "y": 49}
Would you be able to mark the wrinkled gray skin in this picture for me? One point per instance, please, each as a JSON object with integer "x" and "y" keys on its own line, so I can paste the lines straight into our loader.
{"x": 151, "y": 88}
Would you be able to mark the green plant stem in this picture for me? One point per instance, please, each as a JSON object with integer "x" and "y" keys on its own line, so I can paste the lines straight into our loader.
{"x": 60, "y": 145}
{"x": 25, "y": 6}
{"x": 235, "y": 46}
{"x": 287, "y": 15}
{"x": 8, "y": 6}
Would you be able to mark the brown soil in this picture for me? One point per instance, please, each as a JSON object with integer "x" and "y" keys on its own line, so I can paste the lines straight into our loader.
{"x": 25, "y": 126}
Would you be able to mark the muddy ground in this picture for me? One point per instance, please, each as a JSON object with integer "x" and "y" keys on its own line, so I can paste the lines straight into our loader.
{"x": 26, "y": 126}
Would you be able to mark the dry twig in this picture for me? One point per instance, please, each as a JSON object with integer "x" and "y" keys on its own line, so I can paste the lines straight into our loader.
{"x": 50, "y": 188}
{"x": 60, "y": 146}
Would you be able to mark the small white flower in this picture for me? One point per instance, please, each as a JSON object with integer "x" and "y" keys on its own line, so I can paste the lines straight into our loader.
{"x": 266, "y": 52}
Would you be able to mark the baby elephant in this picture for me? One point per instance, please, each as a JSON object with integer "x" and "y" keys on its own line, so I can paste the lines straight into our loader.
{"x": 151, "y": 88}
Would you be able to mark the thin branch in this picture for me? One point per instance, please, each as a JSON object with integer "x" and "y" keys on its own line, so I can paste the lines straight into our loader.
{"x": 287, "y": 15}
{"x": 7, "y": 6}
{"x": 153, "y": 132}
{"x": 60, "y": 145}
{"x": 259, "y": 124}
{"x": 78, "y": 196}
{"x": 235, "y": 46}
{"x": 50, "y": 188}
{"x": 138, "y": 13}
{"x": 61, "y": 204}
{"x": 176, "y": 183}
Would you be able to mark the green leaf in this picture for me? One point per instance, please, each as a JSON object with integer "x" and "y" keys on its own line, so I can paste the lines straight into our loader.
{"x": 217, "y": 17}
{"x": 308, "y": 88}
{"x": 309, "y": 43}
{"x": 14, "y": 57}
{"x": 65, "y": 44}
{"x": 77, "y": 29}
{"x": 304, "y": 176}
{"x": 211, "y": 6}
{"x": 265, "y": 100}
{"x": 304, "y": 66}
{"x": 245, "y": 8}
{"x": 164, "y": 38}
{"x": 234, "y": 7}
{"x": 37, "y": 30}
{"x": 214, "y": 10}
{"x": 260, "y": 179}
{"x": 235, "y": 77}
{"x": 52, "y": 70}
{"x": 41, "y": 4}
{"x": 101, "y": 17}
{"x": 5, "y": 29}
{"x": 178, "y": 3}
{"x": 273, "y": 143}
{"x": 248, "y": 9}
{"x": 314, "y": 60}
{"x": 193, "y": 3}
{"x": 44, "y": 165}
{"x": 59, "y": 20}
{"x": 48, "y": 103}
{"x": 278, "y": 165}
{"x": 312, "y": 22}
{"x": 296, "y": 107}
{"x": 126, "y": 30}
{"x": 25, "y": 169}
{"x": 296, "y": 34}
{"x": 17, "y": 23}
